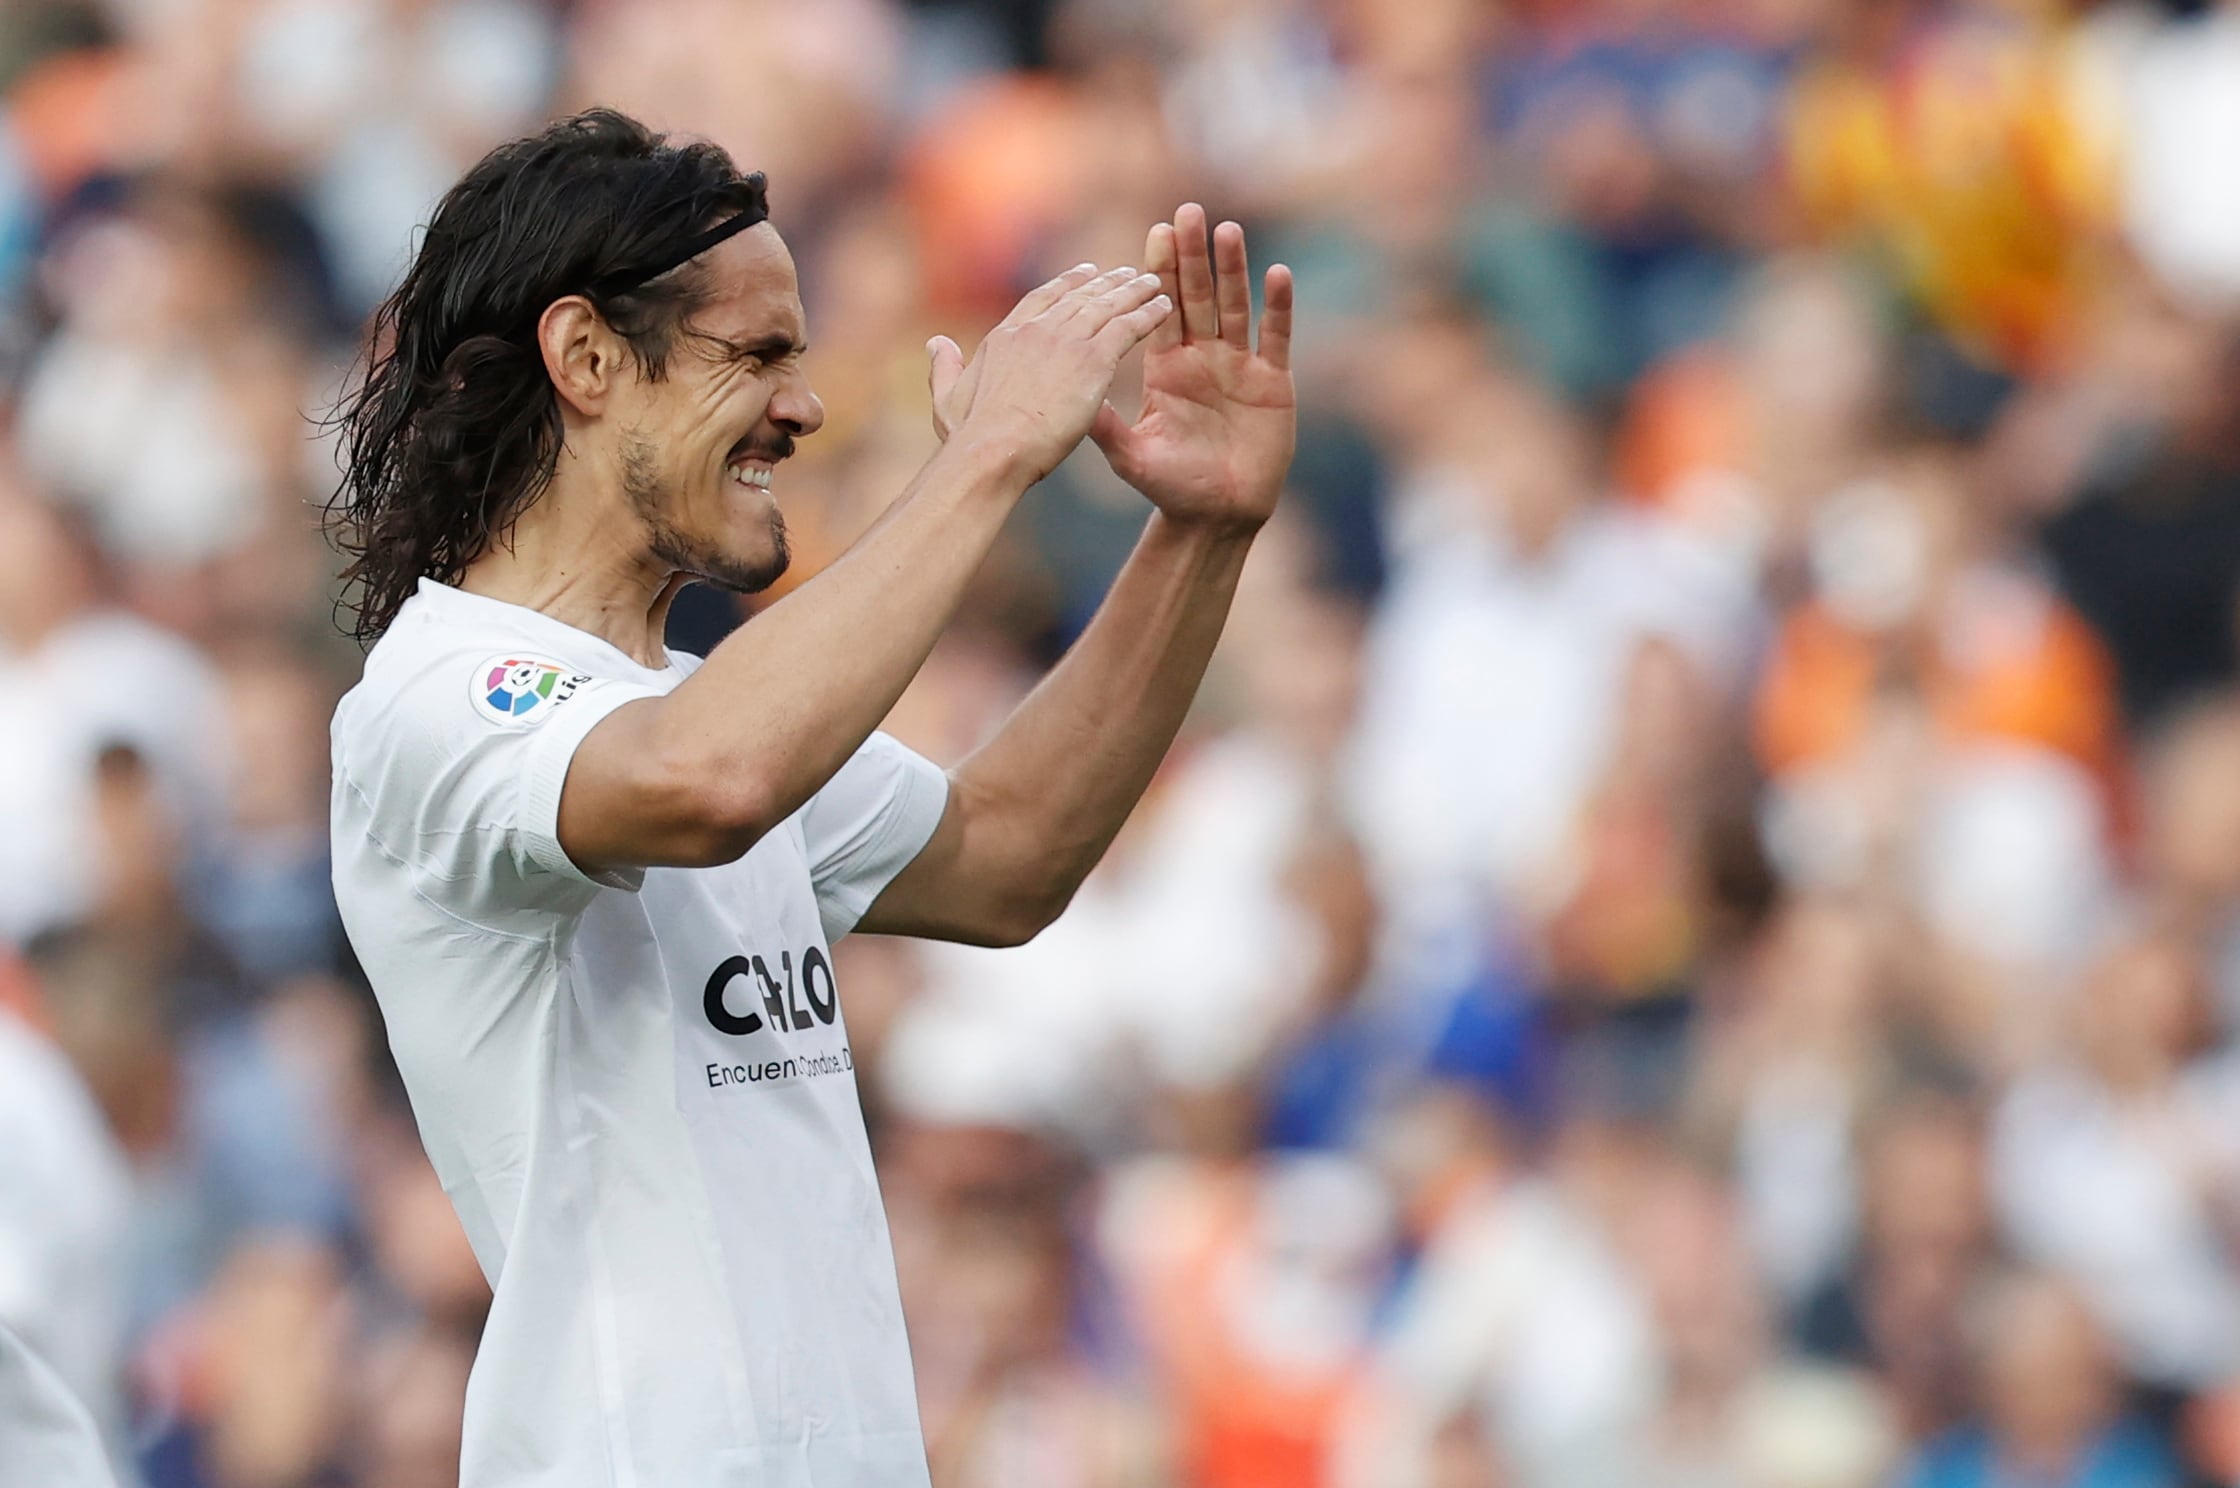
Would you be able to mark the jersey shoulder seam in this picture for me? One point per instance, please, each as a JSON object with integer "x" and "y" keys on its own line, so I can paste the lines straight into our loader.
{"x": 888, "y": 822}
{"x": 415, "y": 872}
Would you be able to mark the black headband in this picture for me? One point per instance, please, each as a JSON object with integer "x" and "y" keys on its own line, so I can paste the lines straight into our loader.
{"x": 690, "y": 248}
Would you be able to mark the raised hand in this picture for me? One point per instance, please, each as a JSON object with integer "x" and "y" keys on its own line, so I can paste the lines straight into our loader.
{"x": 1214, "y": 439}
{"x": 1040, "y": 377}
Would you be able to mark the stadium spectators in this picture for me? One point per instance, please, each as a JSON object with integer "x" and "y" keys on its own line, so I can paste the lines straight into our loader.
{"x": 1692, "y": 940}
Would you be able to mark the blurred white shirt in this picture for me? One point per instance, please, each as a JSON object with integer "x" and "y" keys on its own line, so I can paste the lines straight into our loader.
{"x": 2180, "y": 98}
{"x": 2110, "y": 1191}
{"x": 1493, "y": 683}
{"x": 101, "y": 679}
{"x": 46, "y": 1435}
{"x": 1521, "y": 1312}
{"x": 65, "y": 1218}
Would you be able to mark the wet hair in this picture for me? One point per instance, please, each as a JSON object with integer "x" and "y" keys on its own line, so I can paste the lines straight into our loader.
{"x": 455, "y": 428}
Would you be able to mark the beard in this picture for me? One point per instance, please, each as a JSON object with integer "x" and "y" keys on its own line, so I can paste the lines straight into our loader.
{"x": 706, "y": 561}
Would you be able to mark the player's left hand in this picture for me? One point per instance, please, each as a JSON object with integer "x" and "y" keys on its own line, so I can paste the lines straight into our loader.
{"x": 1214, "y": 439}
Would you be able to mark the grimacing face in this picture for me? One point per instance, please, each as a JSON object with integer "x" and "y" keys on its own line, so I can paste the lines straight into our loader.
{"x": 699, "y": 449}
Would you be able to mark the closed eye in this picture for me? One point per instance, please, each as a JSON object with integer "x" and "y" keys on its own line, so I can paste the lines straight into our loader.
{"x": 764, "y": 351}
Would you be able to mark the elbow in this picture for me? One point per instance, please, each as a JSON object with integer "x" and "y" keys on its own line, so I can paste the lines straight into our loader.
{"x": 718, "y": 813}
{"x": 1020, "y": 916}
{"x": 711, "y": 844}
{"x": 729, "y": 821}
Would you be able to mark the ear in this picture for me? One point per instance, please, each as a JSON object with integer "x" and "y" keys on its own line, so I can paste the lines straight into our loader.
{"x": 582, "y": 354}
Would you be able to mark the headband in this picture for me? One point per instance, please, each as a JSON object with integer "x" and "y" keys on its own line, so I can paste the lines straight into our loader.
{"x": 691, "y": 248}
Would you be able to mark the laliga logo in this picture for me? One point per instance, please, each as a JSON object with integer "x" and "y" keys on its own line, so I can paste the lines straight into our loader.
{"x": 512, "y": 689}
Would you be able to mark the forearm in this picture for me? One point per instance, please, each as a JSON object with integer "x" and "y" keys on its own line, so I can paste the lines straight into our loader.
{"x": 697, "y": 776}
{"x": 1061, "y": 776}
{"x": 1029, "y": 815}
{"x": 779, "y": 706}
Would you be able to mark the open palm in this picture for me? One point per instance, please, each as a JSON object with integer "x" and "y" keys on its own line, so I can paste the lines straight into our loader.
{"x": 1219, "y": 416}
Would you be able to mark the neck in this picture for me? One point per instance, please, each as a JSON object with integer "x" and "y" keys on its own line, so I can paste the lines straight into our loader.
{"x": 582, "y": 560}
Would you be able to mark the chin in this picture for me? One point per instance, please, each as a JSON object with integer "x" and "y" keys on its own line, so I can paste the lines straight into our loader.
{"x": 749, "y": 568}
{"x": 748, "y": 565}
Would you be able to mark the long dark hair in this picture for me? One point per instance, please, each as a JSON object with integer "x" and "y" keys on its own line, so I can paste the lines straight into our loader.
{"x": 455, "y": 427}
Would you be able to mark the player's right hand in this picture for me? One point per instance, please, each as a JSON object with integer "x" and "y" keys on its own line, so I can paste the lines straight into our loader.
{"x": 1039, "y": 378}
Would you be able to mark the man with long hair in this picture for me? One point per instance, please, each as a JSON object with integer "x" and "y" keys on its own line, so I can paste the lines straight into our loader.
{"x": 595, "y": 883}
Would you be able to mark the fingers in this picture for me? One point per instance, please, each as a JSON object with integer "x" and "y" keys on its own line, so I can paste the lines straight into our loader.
{"x": 1112, "y": 433}
{"x": 1275, "y": 318}
{"x": 1116, "y": 437}
{"x": 1092, "y": 296}
{"x": 947, "y": 365}
{"x": 944, "y": 367}
{"x": 1128, "y": 329}
{"x": 1043, "y": 296}
{"x": 1099, "y": 304}
{"x": 1232, "y": 286}
{"x": 1201, "y": 318}
{"x": 1159, "y": 258}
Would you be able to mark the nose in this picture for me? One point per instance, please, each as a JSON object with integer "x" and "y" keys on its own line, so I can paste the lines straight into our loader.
{"x": 796, "y": 408}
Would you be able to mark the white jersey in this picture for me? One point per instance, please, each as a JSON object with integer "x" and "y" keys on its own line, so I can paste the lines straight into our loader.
{"x": 636, "y": 1086}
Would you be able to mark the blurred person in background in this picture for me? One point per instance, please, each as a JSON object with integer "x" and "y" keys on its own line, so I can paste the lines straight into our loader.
{"x": 1021, "y": 1376}
{"x": 2189, "y": 855}
{"x": 368, "y": 108}
{"x": 1521, "y": 1330}
{"x": 2114, "y": 1161}
{"x": 1741, "y": 437}
{"x": 1735, "y": 1411}
{"x": 2147, "y": 545}
{"x": 1823, "y": 291}
{"x": 263, "y": 1371}
{"x": 1963, "y": 145}
{"x": 1634, "y": 915}
{"x": 1941, "y": 731}
{"x": 79, "y": 675}
{"x": 167, "y": 406}
{"x": 1786, "y": 1074}
{"x": 1921, "y": 1252}
{"x": 65, "y": 1218}
{"x": 1497, "y": 662}
{"x": 262, "y": 882}
{"x": 1253, "y": 1279}
{"x": 2048, "y": 1404}
{"x": 833, "y": 77}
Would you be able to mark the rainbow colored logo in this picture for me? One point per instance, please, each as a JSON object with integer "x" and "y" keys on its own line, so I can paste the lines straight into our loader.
{"x": 514, "y": 687}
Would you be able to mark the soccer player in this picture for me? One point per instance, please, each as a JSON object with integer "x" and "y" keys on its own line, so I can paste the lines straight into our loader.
{"x": 596, "y": 883}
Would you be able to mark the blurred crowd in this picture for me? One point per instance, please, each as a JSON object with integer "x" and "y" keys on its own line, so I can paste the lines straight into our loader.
{"x": 1692, "y": 941}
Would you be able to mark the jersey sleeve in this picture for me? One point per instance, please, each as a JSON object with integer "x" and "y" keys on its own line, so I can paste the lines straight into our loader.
{"x": 465, "y": 793}
{"x": 865, "y": 826}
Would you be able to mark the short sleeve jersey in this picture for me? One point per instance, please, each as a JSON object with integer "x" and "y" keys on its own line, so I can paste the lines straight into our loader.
{"x": 636, "y": 1086}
